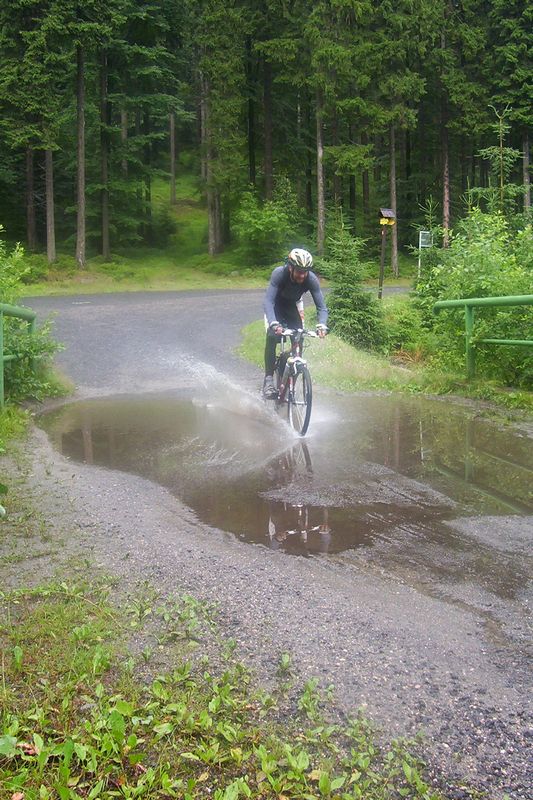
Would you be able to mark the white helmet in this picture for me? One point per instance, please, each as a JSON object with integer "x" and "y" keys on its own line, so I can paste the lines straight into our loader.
{"x": 300, "y": 259}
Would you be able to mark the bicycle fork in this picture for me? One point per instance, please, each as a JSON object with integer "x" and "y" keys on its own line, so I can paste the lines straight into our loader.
{"x": 292, "y": 366}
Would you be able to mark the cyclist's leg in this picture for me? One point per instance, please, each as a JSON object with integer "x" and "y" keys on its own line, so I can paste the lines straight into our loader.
{"x": 269, "y": 388}
{"x": 270, "y": 352}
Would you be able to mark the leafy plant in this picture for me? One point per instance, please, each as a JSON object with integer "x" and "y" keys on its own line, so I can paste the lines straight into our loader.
{"x": 501, "y": 194}
{"x": 403, "y": 324}
{"x": 71, "y": 730}
{"x": 26, "y": 375}
{"x": 355, "y": 315}
{"x": 264, "y": 229}
{"x": 484, "y": 259}
{"x": 13, "y": 268}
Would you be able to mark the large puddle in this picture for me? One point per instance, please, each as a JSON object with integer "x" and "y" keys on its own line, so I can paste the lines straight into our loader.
{"x": 380, "y": 472}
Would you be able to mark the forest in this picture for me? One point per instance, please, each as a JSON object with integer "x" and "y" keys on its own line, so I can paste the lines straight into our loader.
{"x": 290, "y": 114}
{"x": 234, "y": 130}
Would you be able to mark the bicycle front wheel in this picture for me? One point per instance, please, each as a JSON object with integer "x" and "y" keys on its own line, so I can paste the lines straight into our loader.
{"x": 300, "y": 401}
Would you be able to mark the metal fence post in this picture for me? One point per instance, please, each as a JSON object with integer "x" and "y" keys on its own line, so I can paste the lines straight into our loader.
{"x": 470, "y": 351}
{"x": 7, "y": 310}
{"x": 469, "y": 303}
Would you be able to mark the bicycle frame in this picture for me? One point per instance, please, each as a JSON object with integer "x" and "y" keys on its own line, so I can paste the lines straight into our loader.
{"x": 293, "y": 381}
{"x": 294, "y": 359}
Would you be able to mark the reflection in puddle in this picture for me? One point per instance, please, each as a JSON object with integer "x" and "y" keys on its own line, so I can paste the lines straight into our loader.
{"x": 379, "y": 473}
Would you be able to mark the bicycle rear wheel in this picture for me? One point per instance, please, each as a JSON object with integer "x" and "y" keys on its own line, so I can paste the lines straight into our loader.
{"x": 300, "y": 401}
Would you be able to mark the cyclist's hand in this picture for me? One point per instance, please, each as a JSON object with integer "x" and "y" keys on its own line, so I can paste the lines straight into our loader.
{"x": 321, "y": 330}
{"x": 276, "y": 328}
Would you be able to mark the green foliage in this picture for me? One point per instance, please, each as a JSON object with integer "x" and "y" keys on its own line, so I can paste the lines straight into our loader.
{"x": 404, "y": 327}
{"x": 38, "y": 268}
{"x": 265, "y": 229}
{"x": 74, "y": 713}
{"x": 483, "y": 260}
{"x": 25, "y": 376}
{"x": 163, "y": 226}
{"x": 500, "y": 194}
{"x": 355, "y": 315}
{"x": 13, "y": 423}
{"x": 13, "y": 270}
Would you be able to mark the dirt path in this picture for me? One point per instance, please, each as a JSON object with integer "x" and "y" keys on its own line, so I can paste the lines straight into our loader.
{"x": 410, "y": 660}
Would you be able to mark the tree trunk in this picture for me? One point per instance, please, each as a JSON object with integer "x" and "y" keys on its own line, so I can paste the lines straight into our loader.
{"x": 337, "y": 179}
{"x": 351, "y": 188}
{"x": 366, "y": 185}
{"x": 50, "y": 211}
{"x": 214, "y": 226}
{"x": 527, "y": 178}
{"x": 203, "y": 129}
{"x": 80, "y": 224}
{"x": 464, "y": 166}
{"x": 147, "y": 127}
{"x": 410, "y": 196}
{"x": 394, "y": 228}
{"x": 124, "y": 141}
{"x": 211, "y": 217}
{"x": 31, "y": 225}
{"x": 172, "y": 134}
{"x": 320, "y": 201}
{"x": 377, "y": 162}
{"x": 267, "y": 110}
{"x": 104, "y": 157}
{"x": 250, "y": 76}
{"x": 445, "y": 150}
{"x": 139, "y": 193}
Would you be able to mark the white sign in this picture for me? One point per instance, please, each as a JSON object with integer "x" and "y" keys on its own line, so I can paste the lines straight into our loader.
{"x": 425, "y": 239}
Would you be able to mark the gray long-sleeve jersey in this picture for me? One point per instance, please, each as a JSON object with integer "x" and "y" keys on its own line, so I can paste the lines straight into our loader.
{"x": 282, "y": 294}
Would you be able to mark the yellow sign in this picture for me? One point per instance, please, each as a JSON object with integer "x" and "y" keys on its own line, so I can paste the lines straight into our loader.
{"x": 385, "y": 221}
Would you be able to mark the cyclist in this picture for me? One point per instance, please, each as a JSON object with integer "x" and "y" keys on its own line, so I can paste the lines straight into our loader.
{"x": 282, "y": 306}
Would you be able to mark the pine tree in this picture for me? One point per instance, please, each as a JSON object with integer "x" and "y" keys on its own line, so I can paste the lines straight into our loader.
{"x": 220, "y": 28}
{"x": 512, "y": 75}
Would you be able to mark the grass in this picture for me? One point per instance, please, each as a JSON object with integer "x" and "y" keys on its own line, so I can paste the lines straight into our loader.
{"x": 146, "y": 270}
{"x": 13, "y": 423}
{"x": 183, "y": 264}
{"x": 334, "y": 363}
{"x": 78, "y": 721}
{"x": 83, "y": 718}
{"x": 338, "y": 365}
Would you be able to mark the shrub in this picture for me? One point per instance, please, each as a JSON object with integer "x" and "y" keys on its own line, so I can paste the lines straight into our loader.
{"x": 264, "y": 229}
{"x": 484, "y": 259}
{"x": 27, "y": 375}
{"x": 13, "y": 269}
{"x": 21, "y": 379}
{"x": 38, "y": 268}
{"x": 163, "y": 226}
{"x": 355, "y": 315}
{"x": 404, "y": 326}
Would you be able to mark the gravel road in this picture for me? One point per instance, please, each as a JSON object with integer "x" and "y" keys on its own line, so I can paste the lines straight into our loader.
{"x": 411, "y": 660}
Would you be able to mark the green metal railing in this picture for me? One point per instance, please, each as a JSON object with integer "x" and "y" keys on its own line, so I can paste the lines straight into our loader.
{"x": 21, "y": 313}
{"x": 469, "y": 303}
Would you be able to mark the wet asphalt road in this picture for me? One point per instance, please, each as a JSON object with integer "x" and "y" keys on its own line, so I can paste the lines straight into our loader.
{"x": 136, "y": 342}
{"x": 410, "y": 658}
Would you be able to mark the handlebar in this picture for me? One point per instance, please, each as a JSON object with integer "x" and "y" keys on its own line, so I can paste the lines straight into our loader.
{"x": 294, "y": 331}
{"x": 300, "y": 331}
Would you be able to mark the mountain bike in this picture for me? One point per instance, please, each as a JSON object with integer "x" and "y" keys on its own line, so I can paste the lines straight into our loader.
{"x": 292, "y": 380}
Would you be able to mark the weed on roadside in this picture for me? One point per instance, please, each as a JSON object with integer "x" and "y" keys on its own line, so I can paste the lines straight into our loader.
{"x": 77, "y": 722}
